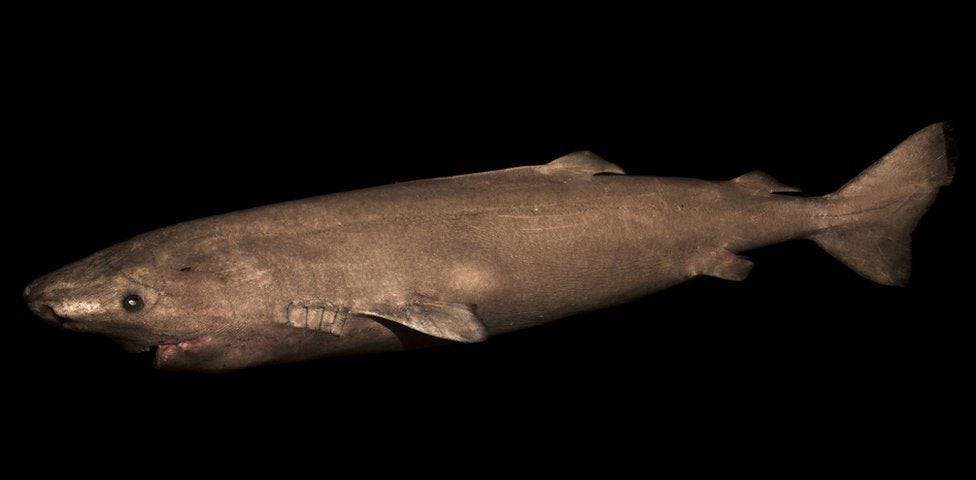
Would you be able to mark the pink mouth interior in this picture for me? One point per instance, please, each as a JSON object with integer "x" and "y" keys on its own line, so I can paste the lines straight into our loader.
{"x": 166, "y": 351}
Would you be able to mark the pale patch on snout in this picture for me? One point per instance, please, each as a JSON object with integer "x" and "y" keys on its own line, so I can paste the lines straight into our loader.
{"x": 81, "y": 308}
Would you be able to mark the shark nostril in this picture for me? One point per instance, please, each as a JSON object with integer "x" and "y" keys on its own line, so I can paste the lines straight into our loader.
{"x": 54, "y": 317}
{"x": 46, "y": 312}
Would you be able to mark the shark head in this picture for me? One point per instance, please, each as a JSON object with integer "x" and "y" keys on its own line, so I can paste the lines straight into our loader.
{"x": 198, "y": 303}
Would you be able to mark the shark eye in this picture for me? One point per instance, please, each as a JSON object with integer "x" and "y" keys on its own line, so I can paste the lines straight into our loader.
{"x": 132, "y": 303}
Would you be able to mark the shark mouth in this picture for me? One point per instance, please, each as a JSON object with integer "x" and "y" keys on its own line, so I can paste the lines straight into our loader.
{"x": 135, "y": 341}
{"x": 166, "y": 352}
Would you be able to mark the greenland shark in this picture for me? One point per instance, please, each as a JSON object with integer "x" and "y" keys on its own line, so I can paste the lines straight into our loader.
{"x": 459, "y": 259}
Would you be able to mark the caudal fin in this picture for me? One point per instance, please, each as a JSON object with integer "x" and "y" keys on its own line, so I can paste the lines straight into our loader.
{"x": 874, "y": 215}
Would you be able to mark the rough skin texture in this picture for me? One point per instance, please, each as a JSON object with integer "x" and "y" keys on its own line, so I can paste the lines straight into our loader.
{"x": 463, "y": 258}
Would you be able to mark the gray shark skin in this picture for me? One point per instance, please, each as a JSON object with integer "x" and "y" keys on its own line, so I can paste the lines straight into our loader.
{"x": 462, "y": 258}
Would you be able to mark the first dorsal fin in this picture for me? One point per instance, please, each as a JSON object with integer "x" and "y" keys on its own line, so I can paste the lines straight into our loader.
{"x": 763, "y": 183}
{"x": 583, "y": 162}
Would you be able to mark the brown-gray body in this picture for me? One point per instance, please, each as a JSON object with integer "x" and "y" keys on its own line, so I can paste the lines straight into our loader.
{"x": 522, "y": 246}
{"x": 461, "y": 258}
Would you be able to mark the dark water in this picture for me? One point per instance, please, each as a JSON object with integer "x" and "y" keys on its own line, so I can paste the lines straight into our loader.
{"x": 803, "y": 345}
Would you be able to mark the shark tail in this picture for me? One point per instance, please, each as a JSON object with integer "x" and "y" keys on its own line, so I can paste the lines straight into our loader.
{"x": 873, "y": 215}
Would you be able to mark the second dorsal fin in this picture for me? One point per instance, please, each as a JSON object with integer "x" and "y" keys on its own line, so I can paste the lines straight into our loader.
{"x": 583, "y": 162}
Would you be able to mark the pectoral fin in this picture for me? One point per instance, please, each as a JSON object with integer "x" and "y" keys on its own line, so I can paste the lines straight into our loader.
{"x": 449, "y": 321}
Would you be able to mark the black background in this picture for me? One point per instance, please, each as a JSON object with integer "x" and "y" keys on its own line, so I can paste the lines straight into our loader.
{"x": 120, "y": 139}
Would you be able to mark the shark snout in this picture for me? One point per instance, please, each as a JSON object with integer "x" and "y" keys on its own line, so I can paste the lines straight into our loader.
{"x": 40, "y": 301}
{"x": 53, "y": 301}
